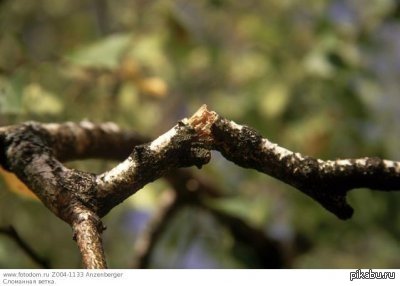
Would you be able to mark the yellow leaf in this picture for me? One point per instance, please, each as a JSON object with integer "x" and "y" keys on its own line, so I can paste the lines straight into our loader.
{"x": 153, "y": 86}
{"x": 275, "y": 101}
{"x": 40, "y": 101}
{"x": 16, "y": 186}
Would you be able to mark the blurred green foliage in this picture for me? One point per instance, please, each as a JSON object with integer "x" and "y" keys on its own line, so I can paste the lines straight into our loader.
{"x": 319, "y": 77}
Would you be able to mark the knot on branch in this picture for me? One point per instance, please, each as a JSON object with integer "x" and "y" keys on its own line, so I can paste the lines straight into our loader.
{"x": 189, "y": 147}
{"x": 180, "y": 147}
{"x": 82, "y": 186}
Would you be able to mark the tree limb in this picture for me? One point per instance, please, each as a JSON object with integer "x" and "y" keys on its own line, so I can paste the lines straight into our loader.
{"x": 13, "y": 234}
{"x": 187, "y": 189}
{"x": 34, "y": 151}
{"x": 327, "y": 182}
{"x": 87, "y": 229}
{"x": 146, "y": 242}
{"x": 181, "y": 146}
{"x": 84, "y": 140}
{"x": 268, "y": 252}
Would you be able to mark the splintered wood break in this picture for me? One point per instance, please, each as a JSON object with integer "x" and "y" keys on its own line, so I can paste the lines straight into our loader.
{"x": 202, "y": 120}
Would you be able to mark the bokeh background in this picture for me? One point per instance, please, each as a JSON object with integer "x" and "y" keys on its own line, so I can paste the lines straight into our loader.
{"x": 318, "y": 77}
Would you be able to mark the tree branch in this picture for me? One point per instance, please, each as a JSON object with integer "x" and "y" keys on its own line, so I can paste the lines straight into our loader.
{"x": 13, "y": 234}
{"x": 181, "y": 146}
{"x": 30, "y": 150}
{"x": 327, "y": 182}
{"x": 87, "y": 229}
{"x": 187, "y": 189}
{"x": 33, "y": 152}
{"x": 268, "y": 252}
{"x": 146, "y": 242}
{"x": 84, "y": 140}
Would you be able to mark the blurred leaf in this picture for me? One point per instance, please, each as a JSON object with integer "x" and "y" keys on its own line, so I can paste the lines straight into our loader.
{"x": 312, "y": 134}
{"x": 153, "y": 86}
{"x": 105, "y": 53}
{"x": 369, "y": 92}
{"x": 275, "y": 101}
{"x": 251, "y": 209}
{"x": 39, "y": 101}
{"x": 149, "y": 52}
{"x": 247, "y": 67}
{"x": 10, "y": 95}
{"x": 148, "y": 197}
{"x": 317, "y": 64}
{"x": 128, "y": 97}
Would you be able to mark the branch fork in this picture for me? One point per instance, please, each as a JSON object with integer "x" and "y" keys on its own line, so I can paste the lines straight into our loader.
{"x": 34, "y": 152}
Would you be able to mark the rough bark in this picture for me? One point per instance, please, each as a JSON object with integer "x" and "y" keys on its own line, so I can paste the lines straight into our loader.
{"x": 34, "y": 152}
{"x": 327, "y": 182}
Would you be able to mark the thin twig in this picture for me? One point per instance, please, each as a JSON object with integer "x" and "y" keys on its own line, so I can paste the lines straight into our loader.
{"x": 13, "y": 234}
{"x": 146, "y": 242}
{"x": 268, "y": 252}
